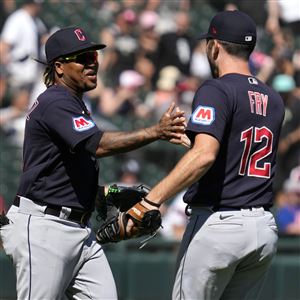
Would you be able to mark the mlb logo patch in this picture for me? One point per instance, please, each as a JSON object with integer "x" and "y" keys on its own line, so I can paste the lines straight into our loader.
{"x": 204, "y": 115}
{"x": 252, "y": 80}
{"x": 82, "y": 124}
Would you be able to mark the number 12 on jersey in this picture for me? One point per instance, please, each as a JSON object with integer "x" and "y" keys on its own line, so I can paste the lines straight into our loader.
{"x": 258, "y": 145}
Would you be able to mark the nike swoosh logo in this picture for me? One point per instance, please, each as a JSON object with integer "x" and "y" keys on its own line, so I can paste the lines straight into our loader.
{"x": 225, "y": 217}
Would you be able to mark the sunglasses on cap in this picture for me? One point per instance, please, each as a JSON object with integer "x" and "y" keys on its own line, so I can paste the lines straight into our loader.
{"x": 84, "y": 58}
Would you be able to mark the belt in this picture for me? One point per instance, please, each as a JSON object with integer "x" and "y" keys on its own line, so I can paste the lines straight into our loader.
{"x": 229, "y": 208}
{"x": 225, "y": 208}
{"x": 75, "y": 215}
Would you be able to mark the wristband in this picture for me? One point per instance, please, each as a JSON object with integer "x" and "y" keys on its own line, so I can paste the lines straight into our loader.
{"x": 151, "y": 203}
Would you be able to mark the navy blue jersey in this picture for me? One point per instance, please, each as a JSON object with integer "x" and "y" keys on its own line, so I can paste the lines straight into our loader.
{"x": 245, "y": 116}
{"x": 57, "y": 169}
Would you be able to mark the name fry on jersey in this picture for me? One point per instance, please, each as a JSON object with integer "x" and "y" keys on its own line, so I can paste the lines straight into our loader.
{"x": 204, "y": 115}
{"x": 258, "y": 103}
{"x": 82, "y": 124}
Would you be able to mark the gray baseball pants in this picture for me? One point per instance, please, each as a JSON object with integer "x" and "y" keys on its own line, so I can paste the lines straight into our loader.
{"x": 225, "y": 255}
{"x": 55, "y": 258}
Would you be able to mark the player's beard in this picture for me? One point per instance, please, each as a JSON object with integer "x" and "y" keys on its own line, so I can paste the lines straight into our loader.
{"x": 213, "y": 69}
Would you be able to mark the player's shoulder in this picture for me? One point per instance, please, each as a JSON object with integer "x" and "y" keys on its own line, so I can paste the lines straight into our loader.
{"x": 236, "y": 80}
{"x": 233, "y": 82}
{"x": 213, "y": 86}
{"x": 54, "y": 93}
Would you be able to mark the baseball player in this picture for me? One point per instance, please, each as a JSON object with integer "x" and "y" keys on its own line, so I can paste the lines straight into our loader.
{"x": 49, "y": 237}
{"x": 234, "y": 128}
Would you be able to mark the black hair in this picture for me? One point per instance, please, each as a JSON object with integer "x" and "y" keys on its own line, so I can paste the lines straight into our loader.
{"x": 49, "y": 74}
{"x": 239, "y": 50}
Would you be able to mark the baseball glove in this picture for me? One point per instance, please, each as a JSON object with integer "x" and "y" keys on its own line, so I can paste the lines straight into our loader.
{"x": 120, "y": 205}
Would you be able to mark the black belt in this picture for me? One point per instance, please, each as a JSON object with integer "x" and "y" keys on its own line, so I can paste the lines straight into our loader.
{"x": 78, "y": 216}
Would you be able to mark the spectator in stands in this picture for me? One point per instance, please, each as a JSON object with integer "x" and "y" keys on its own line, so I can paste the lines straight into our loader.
{"x": 20, "y": 41}
{"x": 296, "y": 62}
{"x": 186, "y": 88}
{"x": 199, "y": 62}
{"x": 176, "y": 48}
{"x": 166, "y": 91}
{"x": 124, "y": 99}
{"x": 174, "y": 219}
{"x": 146, "y": 55}
{"x": 12, "y": 121}
{"x": 262, "y": 65}
{"x": 130, "y": 172}
{"x": 289, "y": 143}
{"x": 283, "y": 14}
{"x": 288, "y": 214}
{"x": 6, "y": 8}
{"x": 283, "y": 51}
{"x": 122, "y": 41}
{"x": 148, "y": 36}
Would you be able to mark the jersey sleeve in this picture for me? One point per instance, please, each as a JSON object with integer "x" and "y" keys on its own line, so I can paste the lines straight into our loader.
{"x": 210, "y": 111}
{"x": 66, "y": 119}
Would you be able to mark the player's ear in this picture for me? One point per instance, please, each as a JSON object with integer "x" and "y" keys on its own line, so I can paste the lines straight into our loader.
{"x": 215, "y": 49}
{"x": 59, "y": 68}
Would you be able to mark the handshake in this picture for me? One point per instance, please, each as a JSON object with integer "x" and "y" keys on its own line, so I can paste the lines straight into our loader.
{"x": 125, "y": 213}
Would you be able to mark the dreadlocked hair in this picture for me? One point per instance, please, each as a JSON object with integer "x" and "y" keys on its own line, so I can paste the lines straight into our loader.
{"x": 49, "y": 75}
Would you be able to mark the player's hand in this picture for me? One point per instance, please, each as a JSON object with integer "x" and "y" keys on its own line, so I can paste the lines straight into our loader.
{"x": 172, "y": 124}
{"x": 131, "y": 224}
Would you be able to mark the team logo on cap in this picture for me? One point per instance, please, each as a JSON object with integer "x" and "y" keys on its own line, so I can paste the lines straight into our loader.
{"x": 204, "y": 115}
{"x": 82, "y": 124}
{"x": 79, "y": 34}
{"x": 248, "y": 38}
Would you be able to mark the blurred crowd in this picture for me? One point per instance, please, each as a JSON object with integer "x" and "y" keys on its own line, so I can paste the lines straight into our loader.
{"x": 153, "y": 58}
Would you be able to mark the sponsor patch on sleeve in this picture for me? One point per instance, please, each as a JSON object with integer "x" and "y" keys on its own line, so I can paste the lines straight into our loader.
{"x": 204, "y": 115}
{"x": 82, "y": 124}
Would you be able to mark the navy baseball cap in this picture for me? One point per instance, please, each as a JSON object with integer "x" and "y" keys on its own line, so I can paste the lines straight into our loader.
{"x": 69, "y": 40}
{"x": 232, "y": 26}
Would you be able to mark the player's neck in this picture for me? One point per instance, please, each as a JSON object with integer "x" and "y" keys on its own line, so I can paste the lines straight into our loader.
{"x": 238, "y": 66}
{"x": 70, "y": 88}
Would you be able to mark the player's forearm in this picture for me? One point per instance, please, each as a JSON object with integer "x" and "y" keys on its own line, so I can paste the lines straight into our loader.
{"x": 119, "y": 142}
{"x": 189, "y": 169}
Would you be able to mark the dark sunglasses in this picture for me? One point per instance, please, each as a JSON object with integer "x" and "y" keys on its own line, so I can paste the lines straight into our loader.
{"x": 84, "y": 58}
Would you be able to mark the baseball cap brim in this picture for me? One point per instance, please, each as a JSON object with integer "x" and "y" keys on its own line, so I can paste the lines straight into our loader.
{"x": 78, "y": 50}
{"x": 83, "y": 47}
